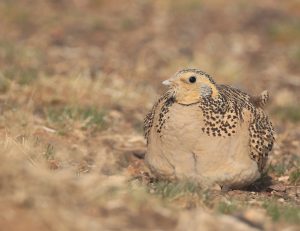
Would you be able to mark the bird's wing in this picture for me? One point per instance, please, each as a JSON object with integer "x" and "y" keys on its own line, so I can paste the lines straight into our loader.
{"x": 261, "y": 138}
{"x": 260, "y": 128}
{"x": 238, "y": 97}
{"x": 149, "y": 119}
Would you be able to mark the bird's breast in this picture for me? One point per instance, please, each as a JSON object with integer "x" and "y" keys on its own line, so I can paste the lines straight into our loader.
{"x": 183, "y": 125}
{"x": 184, "y": 145}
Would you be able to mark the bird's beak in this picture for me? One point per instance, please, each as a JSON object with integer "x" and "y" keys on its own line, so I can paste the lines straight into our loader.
{"x": 167, "y": 82}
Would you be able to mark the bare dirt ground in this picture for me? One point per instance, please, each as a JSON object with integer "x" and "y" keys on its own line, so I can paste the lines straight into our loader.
{"x": 76, "y": 80}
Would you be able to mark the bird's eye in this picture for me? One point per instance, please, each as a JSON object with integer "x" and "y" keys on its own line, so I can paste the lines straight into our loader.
{"x": 192, "y": 79}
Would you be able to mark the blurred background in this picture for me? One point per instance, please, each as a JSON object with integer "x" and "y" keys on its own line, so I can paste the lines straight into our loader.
{"x": 77, "y": 78}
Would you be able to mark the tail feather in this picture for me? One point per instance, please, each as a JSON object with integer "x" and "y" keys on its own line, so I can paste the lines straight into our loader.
{"x": 261, "y": 100}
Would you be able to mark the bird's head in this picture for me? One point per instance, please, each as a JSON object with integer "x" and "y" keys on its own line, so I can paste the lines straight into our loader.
{"x": 191, "y": 85}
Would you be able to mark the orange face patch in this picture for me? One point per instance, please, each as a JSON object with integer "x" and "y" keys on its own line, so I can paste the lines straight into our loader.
{"x": 189, "y": 93}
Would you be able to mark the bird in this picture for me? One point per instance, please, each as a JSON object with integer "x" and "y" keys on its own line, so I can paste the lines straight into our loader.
{"x": 212, "y": 134}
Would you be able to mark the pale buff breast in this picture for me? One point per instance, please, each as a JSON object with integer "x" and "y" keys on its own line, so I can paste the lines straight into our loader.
{"x": 183, "y": 150}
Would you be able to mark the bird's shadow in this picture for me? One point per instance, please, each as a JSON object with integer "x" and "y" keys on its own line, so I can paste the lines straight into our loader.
{"x": 261, "y": 185}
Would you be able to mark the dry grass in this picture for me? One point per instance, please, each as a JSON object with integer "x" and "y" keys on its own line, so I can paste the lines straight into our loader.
{"x": 77, "y": 78}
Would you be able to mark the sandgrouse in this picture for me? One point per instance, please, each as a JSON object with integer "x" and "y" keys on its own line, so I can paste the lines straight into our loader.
{"x": 210, "y": 133}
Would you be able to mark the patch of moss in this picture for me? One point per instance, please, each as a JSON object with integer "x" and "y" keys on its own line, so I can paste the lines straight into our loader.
{"x": 278, "y": 169}
{"x": 295, "y": 176}
{"x": 128, "y": 23}
{"x": 186, "y": 6}
{"x": 227, "y": 207}
{"x": 90, "y": 116}
{"x": 4, "y": 84}
{"x": 174, "y": 189}
{"x": 49, "y": 153}
{"x": 22, "y": 76}
{"x": 284, "y": 31}
{"x": 285, "y": 213}
{"x": 287, "y": 113}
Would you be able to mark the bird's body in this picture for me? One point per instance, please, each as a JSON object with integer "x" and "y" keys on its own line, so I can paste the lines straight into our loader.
{"x": 210, "y": 133}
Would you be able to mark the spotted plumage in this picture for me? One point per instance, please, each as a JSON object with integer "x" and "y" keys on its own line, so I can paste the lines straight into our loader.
{"x": 221, "y": 114}
{"x": 167, "y": 100}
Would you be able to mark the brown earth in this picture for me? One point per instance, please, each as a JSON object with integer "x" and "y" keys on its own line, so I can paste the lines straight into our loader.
{"x": 76, "y": 80}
